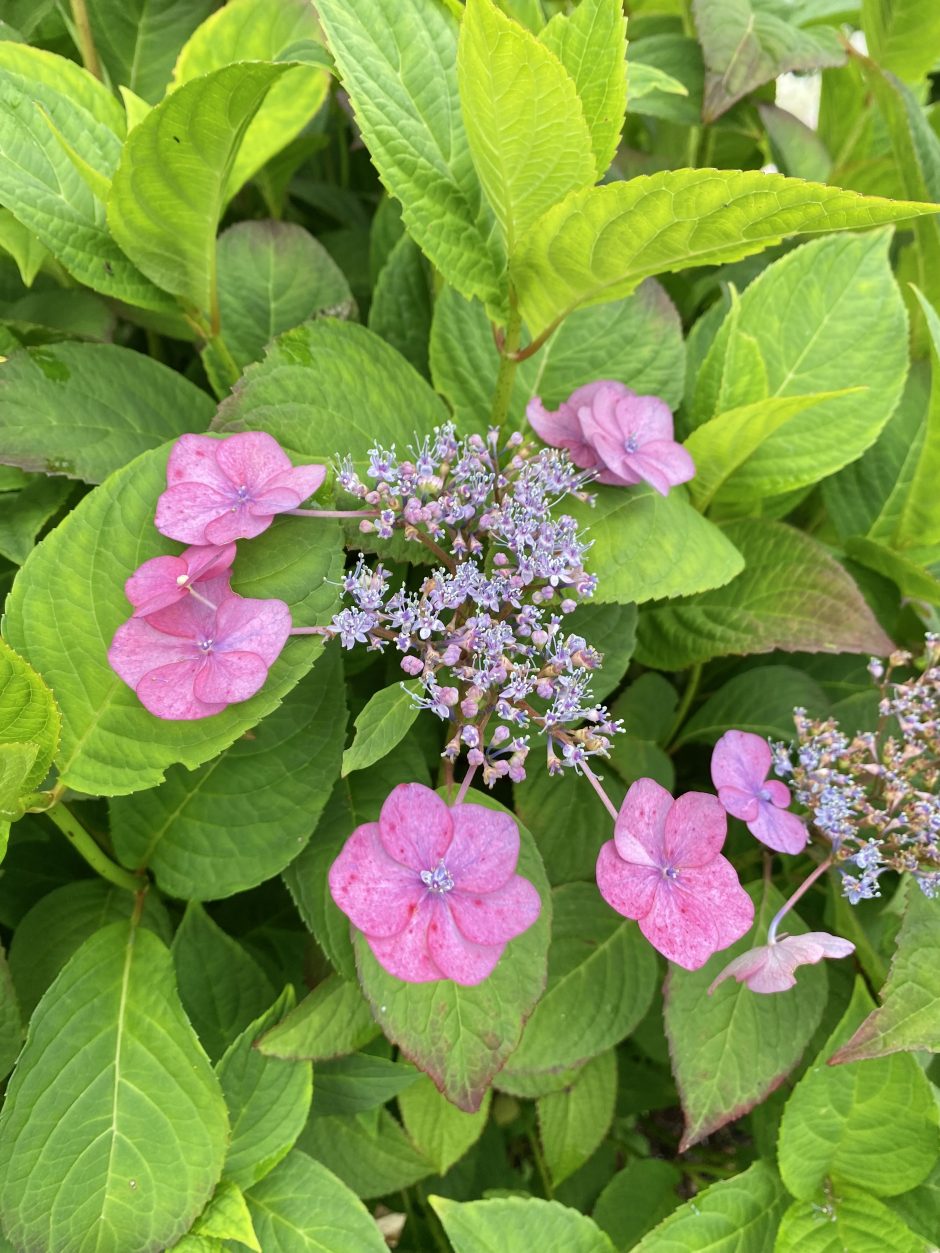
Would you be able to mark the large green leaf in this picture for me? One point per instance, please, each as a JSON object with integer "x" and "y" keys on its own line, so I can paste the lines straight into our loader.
{"x": 85, "y": 1164}
{"x": 903, "y": 35}
{"x": 169, "y": 188}
{"x": 255, "y": 30}
{"x": 845, "y": 1218}
{"x": 458, "y": 1035}
{"x": 398, "y": 61}
{"x": 732, "y": 1049}
{"x": 242, "y": 817}
{"x": 11, "y": 1020}
{"x": 516, "y": 1222}
{"x": 438, "y": 1129}
{"x": 738, "y": 1215}
{"x": 871, "y": 1124}
{"x": 361, "y": 1081}
{"x": 919, "y": 521}
{"x": 525, "y": 125}
{"x": 383, "y": 722}
{"x": 791, "y": 595}
{"x": 373, "y": 1156}
{"x": 332, "y": 1021}
{"x": 27, "y": 512}
{"x": 591, "y": 44}
{"x": 68, "y": 600}
{"x": 402, "y": 302}
{"x": 599, "y": 244}
{"x": 636, "y": 1199}
{"x": 573, "y": 1122}
{"x": 84, "y": 410}
{"x": 138, "y": 40}
{"x": 760, "y": 701}
{"x": 28, "y": 714}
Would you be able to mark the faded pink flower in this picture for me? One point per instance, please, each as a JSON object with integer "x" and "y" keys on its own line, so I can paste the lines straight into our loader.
{"x": 626, "y": 438}
{"x": 163, "y": 581}
{"x": 219, "y": 490}
{"x": 740, "y": 765}
{"x": 191, "y": 660}
{"x": 664, "y": 868}
{"x": 770, "y": 968}
{"x": 434, "y": 889}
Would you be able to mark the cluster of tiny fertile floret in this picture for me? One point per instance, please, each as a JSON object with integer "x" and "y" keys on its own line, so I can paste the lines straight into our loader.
{"x": 484, "y": 632}
{"x": 875, "y": 795}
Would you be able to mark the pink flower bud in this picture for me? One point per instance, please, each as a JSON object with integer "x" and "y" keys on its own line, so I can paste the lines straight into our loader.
{"x": 412, "y": 665}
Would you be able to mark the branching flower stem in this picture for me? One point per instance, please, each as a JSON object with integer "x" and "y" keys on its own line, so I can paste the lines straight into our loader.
{"x": 800, "y": 891}
{"x": 599, "y": 789}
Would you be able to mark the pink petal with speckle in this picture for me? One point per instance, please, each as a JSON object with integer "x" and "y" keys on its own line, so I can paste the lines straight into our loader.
{"x": 209, "y": 561}
{"x": 253, "y": 626}
{"x": 696, "y": 827}
{"x": 250, "y": 458}
{"x": 235, "y": 524}
{"x": 641, "y": 824}
{"x": 717, "y": 888}
{"x": 303, "y": 480}
{"x": 194, "y": 459}
{"x": 626, "y": 887}
{"x": 415, "y": 826}
{"x": 138, "y": 647}
{"x": 229, "y": 677}
{"x": 167, "y": 692}
{"x": 272, "y": 500}
{"x": 154, "y": 585}
{"x": 191, "y": 617}
{"x": 377, "y": 894}
{"x": 405, "y": 955}
{"x": 782, "y": 831}
{"x": 495, "y": 917}
{"x": 680, "y": 927}
{"x": 186, "y": 510}
{"x": 457, "y": 958}
{"x": 485, "y": 848}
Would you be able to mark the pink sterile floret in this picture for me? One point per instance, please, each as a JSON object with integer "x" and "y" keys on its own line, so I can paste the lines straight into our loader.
{"x": 770, "y": 968}
{"x": 740, "y": 764}
{"x": 191, "y": 660}
{"x": 434, "y": 889}
{"x": 626, "y": 438}
{"x": 219, "y": 490}
{"x": 163, "y": 581}
{"x": 664, "y": 868}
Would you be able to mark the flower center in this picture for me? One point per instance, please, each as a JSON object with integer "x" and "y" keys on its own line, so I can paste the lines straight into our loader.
{"x": 242, "y": 497}
{"x": 182, "y": 580}
{"x": 438, "y": 880}
{"x": 631, "y": 444}
{"x": 670, "y": 872}
{"x": 205, "y": 645}
{"x": 763, "y": 794}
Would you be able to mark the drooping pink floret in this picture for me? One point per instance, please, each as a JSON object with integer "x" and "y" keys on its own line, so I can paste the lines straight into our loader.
{"x": 163, "y": 581}
{"x": 434, "y": 889}
{"x": 219, "y": 490}
{"x": 626, "y": 438}
{"x": 191, "y": 660}
{"x": 740, "y": 765}
{"x": 770, "y": 968}
{"x": 664, "y": 868}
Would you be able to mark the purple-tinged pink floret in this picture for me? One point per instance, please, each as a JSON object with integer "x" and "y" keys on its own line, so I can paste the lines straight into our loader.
{"x": 741, "y": 762}
{"x": 770, "y": 967}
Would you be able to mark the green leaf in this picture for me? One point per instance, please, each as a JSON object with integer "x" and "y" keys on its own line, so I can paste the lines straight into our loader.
{"x": 332, "y": 1021}
{"x": 138, "y": 41}
{"x": 738, "y": 1215}
{"x": 439, "y": 1130}
{"x": 645, "y": 79}
{"x": 732, "y": 1049}
{"x": 871, "y": 1124}
{"x": 792, "y": 595}
{"x": 16, "y": 763}
{"x": 382, "y": 723}
{"x": 268, "y": 1100}
{"x": 679, "y": 59}
{"x": 23, "y": 246}
{"x": 245, "y": 815}
{"x": 647, "y": 546}
{"x": 573, "y": 1122}
{"x": 79, "y": 1136}
{"x": 601, "y": 978}
{"x": 514, "y": 1222}
{"x": 254, "y": 30}
{"x": 749, "y": 42}
{"x": 221, "y": 986}
{"x": 27, "y": 512}
{"x": 760, "y": 701}
{"x": 71, "y": 589}
{"x": 599, "y": 244}
{"x": 568, "y": 826}
{"x": 354, "y": 1084}
{"x": 920, "y": 1206}
{"x": 411, "y": 121}
{"x": 919, "y": 521}
{"x": 227, "y": 1217}
{"x": 903, "y": 36}
{"x": 795, "y": 147}
{"x": 903, "y": 568}
{"x": 301, "y": 1207}
{"x": 28, "y": 714}
{"x": 844, "y": 1218}
{"x": 64, "y": 408}
{"x": 909, "y": 1015}
{"x": 11, "y": 1020}
{"x": 169, "y": 189}
{"x": 402, "y": 303}
{"x": 476, "y": 1028}
{"x": 636, "y": 1199}
{"x": 611, "y": 629}
{"x": 591, "y": 44}
{"x": 372, "y": 1156}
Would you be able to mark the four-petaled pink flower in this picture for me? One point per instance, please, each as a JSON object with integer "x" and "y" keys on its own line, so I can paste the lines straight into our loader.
{"x": 626, "y": 438}
{"x": 664, "y": 868}
{"x": 740, "y": 764}
{"x": 194, "y": 658}
{"x": 770, "y": 967}
{"x": 219, "y": 490}
{"x": 163, "y": 581}
{"x": 434, "y": 889}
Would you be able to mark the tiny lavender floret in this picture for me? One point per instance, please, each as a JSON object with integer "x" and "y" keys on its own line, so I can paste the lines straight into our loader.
{"x": 434, "y": 889}
{"x": 740, "y": 765}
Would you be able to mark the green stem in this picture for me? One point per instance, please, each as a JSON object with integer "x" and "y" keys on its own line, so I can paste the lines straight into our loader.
{"x": 86, "y": 847}
{"x": 688, "y": 696}
{"x": 86, "y": 40}
{"x": 232, "y": 372}
{"x": 507, "y": 366}
{"x": 541, "y": 1164}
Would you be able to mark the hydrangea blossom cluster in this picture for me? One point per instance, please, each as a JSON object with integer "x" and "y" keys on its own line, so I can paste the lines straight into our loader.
{"x": 484, "y": 633}
{"x": 874, "y": 795}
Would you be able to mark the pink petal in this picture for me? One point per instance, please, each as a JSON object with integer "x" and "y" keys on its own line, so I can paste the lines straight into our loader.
{"x": 484, "y": 850}
{"x": 626, "y": 887}
{"x": 229, "y": 677}
{"x": 770, "y": 968}
{"x": 209, "y": 561}
{"x": 377, "y": 894}
{"x": 495, "y": 917}
{"x": 245, "y": 625}
{"x": 304, "y": 480}
{"x": 627, "y": 477}
{"x": 234, "y": 524}
{"x": 138, "y": 647}
{"x": 782, "y": 831}
{"x": 647, "y": 417}
{"x": 561, "y": 429}
{"x": 405, "y": 955}
{"x": 194, "y": 617}
{"x": 779, "y": 793}
{"x": 251, "y": 458}
{"x": 752, "y": 968}
{"x": 741, "y": 760}
{"x": 415, "y": 826}
{"x": 185, "y": 510}
{"x": 271, "y": 500}
{"x": 648, "y": 470}
{"x": 599, "y": 417}
{"x": 641, "y": 824}
{"x": 830, "y": 945}
{"x": 680, "y": 927}
{"x": 673, "y": 462}
{"x": 168, "y": 693}
{"x": 717, "y": 889}
{"x": 743, "y": 805}
{"x": 457, "y": 958}
{"x": 194, "y": 459}
{"x": 154, "y": 585}
{"x": 696, "y": 827}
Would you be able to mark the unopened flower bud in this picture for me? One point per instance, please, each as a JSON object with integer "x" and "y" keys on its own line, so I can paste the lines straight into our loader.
{"x": 412, "y": 665}
{"x": 449, "y": 696}
{"x": 500, "y": 735}
{"x": 366, "y": 527}
{"x": 451, "y": 654}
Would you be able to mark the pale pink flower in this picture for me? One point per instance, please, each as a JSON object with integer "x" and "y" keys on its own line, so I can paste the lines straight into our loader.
{"x": 664, "y": 868}
{"x": 740, "y": 765}
{"x": 770, "y": 968}
{"x": 434, "y": 889}
{"x": 192, "y": 659}
{"x": 608, "y": 428}
{"x": 163, "y": 581}
{"x": 219, "y": 490}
